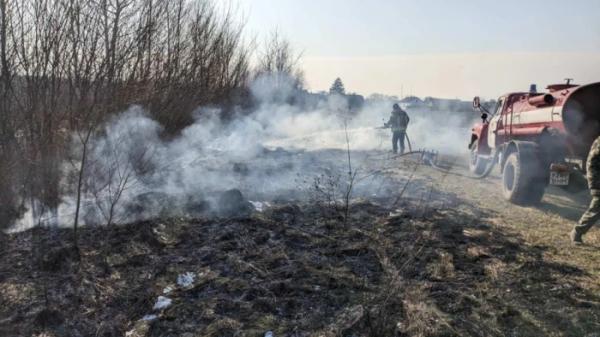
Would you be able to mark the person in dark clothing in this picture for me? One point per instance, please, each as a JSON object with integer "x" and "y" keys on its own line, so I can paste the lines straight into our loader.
{"x": 398, "y": 123}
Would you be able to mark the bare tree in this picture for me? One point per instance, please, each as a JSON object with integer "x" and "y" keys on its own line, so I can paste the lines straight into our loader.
{"x": 84, "y": 138}
{"x": 8, "y": 140}
{"x": 351, "y": 176}
{"x": 118, "y": 170}
{"x": 67, "y": 65}
{"x": 279, "y": 60}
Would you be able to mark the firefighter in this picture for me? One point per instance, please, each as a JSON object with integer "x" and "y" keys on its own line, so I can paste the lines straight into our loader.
{"x": 398, "y": 123}
{"x": 592, "y": 215}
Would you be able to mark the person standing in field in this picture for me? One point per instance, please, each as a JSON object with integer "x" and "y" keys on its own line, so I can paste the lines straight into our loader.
{"x": 398, "y": 123}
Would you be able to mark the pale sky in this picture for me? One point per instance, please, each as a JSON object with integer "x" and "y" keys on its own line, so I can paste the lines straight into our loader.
{"x": 444, "y": 48}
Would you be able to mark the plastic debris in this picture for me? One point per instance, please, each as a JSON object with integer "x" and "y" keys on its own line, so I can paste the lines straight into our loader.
{"x": 186, "y": 280}
{"x": 260, "y": 205}
{"x": 162, "y": 303}
{"x": 269, "y": 334}
{"x": 167, "y": 290}
{"x": 149, "y": 318}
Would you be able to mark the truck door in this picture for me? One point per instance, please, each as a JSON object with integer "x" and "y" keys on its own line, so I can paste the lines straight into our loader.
{"x": 496, "y": 123}
{"x": 515, "y": 116}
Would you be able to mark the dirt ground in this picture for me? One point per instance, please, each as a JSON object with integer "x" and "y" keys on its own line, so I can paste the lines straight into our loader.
{"x": 545, "y": 225}
{"x": 552, "y": 285}
{"x": 444, "y": 256}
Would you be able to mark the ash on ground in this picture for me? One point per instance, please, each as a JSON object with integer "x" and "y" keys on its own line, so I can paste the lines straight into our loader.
{"x": 295, "y": 269}
{"x": 226, "y": 188}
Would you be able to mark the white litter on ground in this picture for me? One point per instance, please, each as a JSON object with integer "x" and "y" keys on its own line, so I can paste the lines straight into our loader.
{"x": 269, "y": 334}
{"x": 259, "y": 205}
{"x": 149, "y": 318}
{"x": 162, "y": 303}
{"x": 186, "y": 280}
{"x": 167, "y": 290}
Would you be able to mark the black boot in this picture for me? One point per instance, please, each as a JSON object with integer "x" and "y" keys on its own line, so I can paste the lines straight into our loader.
{"x": 576, "y": 237}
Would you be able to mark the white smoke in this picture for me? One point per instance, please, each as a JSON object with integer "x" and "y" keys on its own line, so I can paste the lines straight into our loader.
{"x": 133, "y": 174}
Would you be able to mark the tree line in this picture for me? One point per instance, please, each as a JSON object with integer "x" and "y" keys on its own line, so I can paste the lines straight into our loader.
{"x": 68, "y": 65}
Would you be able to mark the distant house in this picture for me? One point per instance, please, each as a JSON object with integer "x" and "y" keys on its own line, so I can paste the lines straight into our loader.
{"x": 312, "y": 100}
{"x": 381, "y": 97}
{"x": 355, "y": 102}
{"x": 307, "y": 100}
{"x": 412, "y": 102}
{"x": 447, "y": 104}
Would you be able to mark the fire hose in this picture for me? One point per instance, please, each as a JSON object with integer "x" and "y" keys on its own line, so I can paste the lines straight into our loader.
{"x": 490, "y": 166}
{"x": 408, "y": 140}
{"x": 483, "y": 175}
{"x": 433, "y": 163}
{"x": 430, "y": 157}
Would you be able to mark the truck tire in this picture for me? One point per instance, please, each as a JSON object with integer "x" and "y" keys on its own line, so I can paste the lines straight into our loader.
{"x": 521, "y": 182}
{"x": 477, "y": 164}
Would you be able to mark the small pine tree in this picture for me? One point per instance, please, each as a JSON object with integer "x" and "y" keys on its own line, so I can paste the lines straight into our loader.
{"x": 337, "y": 87}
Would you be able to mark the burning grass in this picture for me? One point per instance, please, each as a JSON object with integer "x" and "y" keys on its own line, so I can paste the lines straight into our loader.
{"x": 295, "y": 270}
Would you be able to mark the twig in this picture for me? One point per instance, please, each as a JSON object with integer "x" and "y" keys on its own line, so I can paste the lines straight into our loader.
{"x": 351, "y": 177}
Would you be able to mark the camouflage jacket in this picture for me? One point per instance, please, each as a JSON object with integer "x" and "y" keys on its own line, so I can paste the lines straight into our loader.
{"x": 398, "y": 121}
{"x": 593, "y": 168}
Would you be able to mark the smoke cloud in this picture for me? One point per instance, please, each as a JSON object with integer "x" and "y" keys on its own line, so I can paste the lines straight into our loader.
{"x": 271, "y": 153}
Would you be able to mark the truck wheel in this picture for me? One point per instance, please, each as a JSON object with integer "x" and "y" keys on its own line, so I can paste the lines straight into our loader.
{"x": 477, "y": 164}
{"x": 521, "y": 183}
{"x": 536, "y": 191}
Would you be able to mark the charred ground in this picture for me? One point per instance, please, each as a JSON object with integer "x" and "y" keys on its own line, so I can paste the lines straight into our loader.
{"x": 449, "y": 258}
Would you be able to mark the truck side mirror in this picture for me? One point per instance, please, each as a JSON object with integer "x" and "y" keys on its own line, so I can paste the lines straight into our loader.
{"x": 476, "y": 103}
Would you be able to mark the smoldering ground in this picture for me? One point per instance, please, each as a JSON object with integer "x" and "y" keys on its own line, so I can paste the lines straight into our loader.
{"x": 278, "y": 152}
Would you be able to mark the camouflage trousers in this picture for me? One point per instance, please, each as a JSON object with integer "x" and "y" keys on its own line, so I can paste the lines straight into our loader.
{"x": 591, "y": 216}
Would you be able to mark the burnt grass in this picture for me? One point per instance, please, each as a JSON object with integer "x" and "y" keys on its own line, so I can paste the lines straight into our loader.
{"x": 295, "y": 270}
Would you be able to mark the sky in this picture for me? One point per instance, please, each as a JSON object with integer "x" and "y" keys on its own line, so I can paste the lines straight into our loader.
{"x": 442, "y": 48}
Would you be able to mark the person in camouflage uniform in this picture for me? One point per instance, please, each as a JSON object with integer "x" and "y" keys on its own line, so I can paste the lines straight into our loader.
{"x": 592, "y": 215}
{"x": 398, "y": 123}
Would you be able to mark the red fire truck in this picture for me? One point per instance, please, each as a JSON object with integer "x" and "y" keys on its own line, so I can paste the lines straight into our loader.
{"x": 536, "y": 138}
